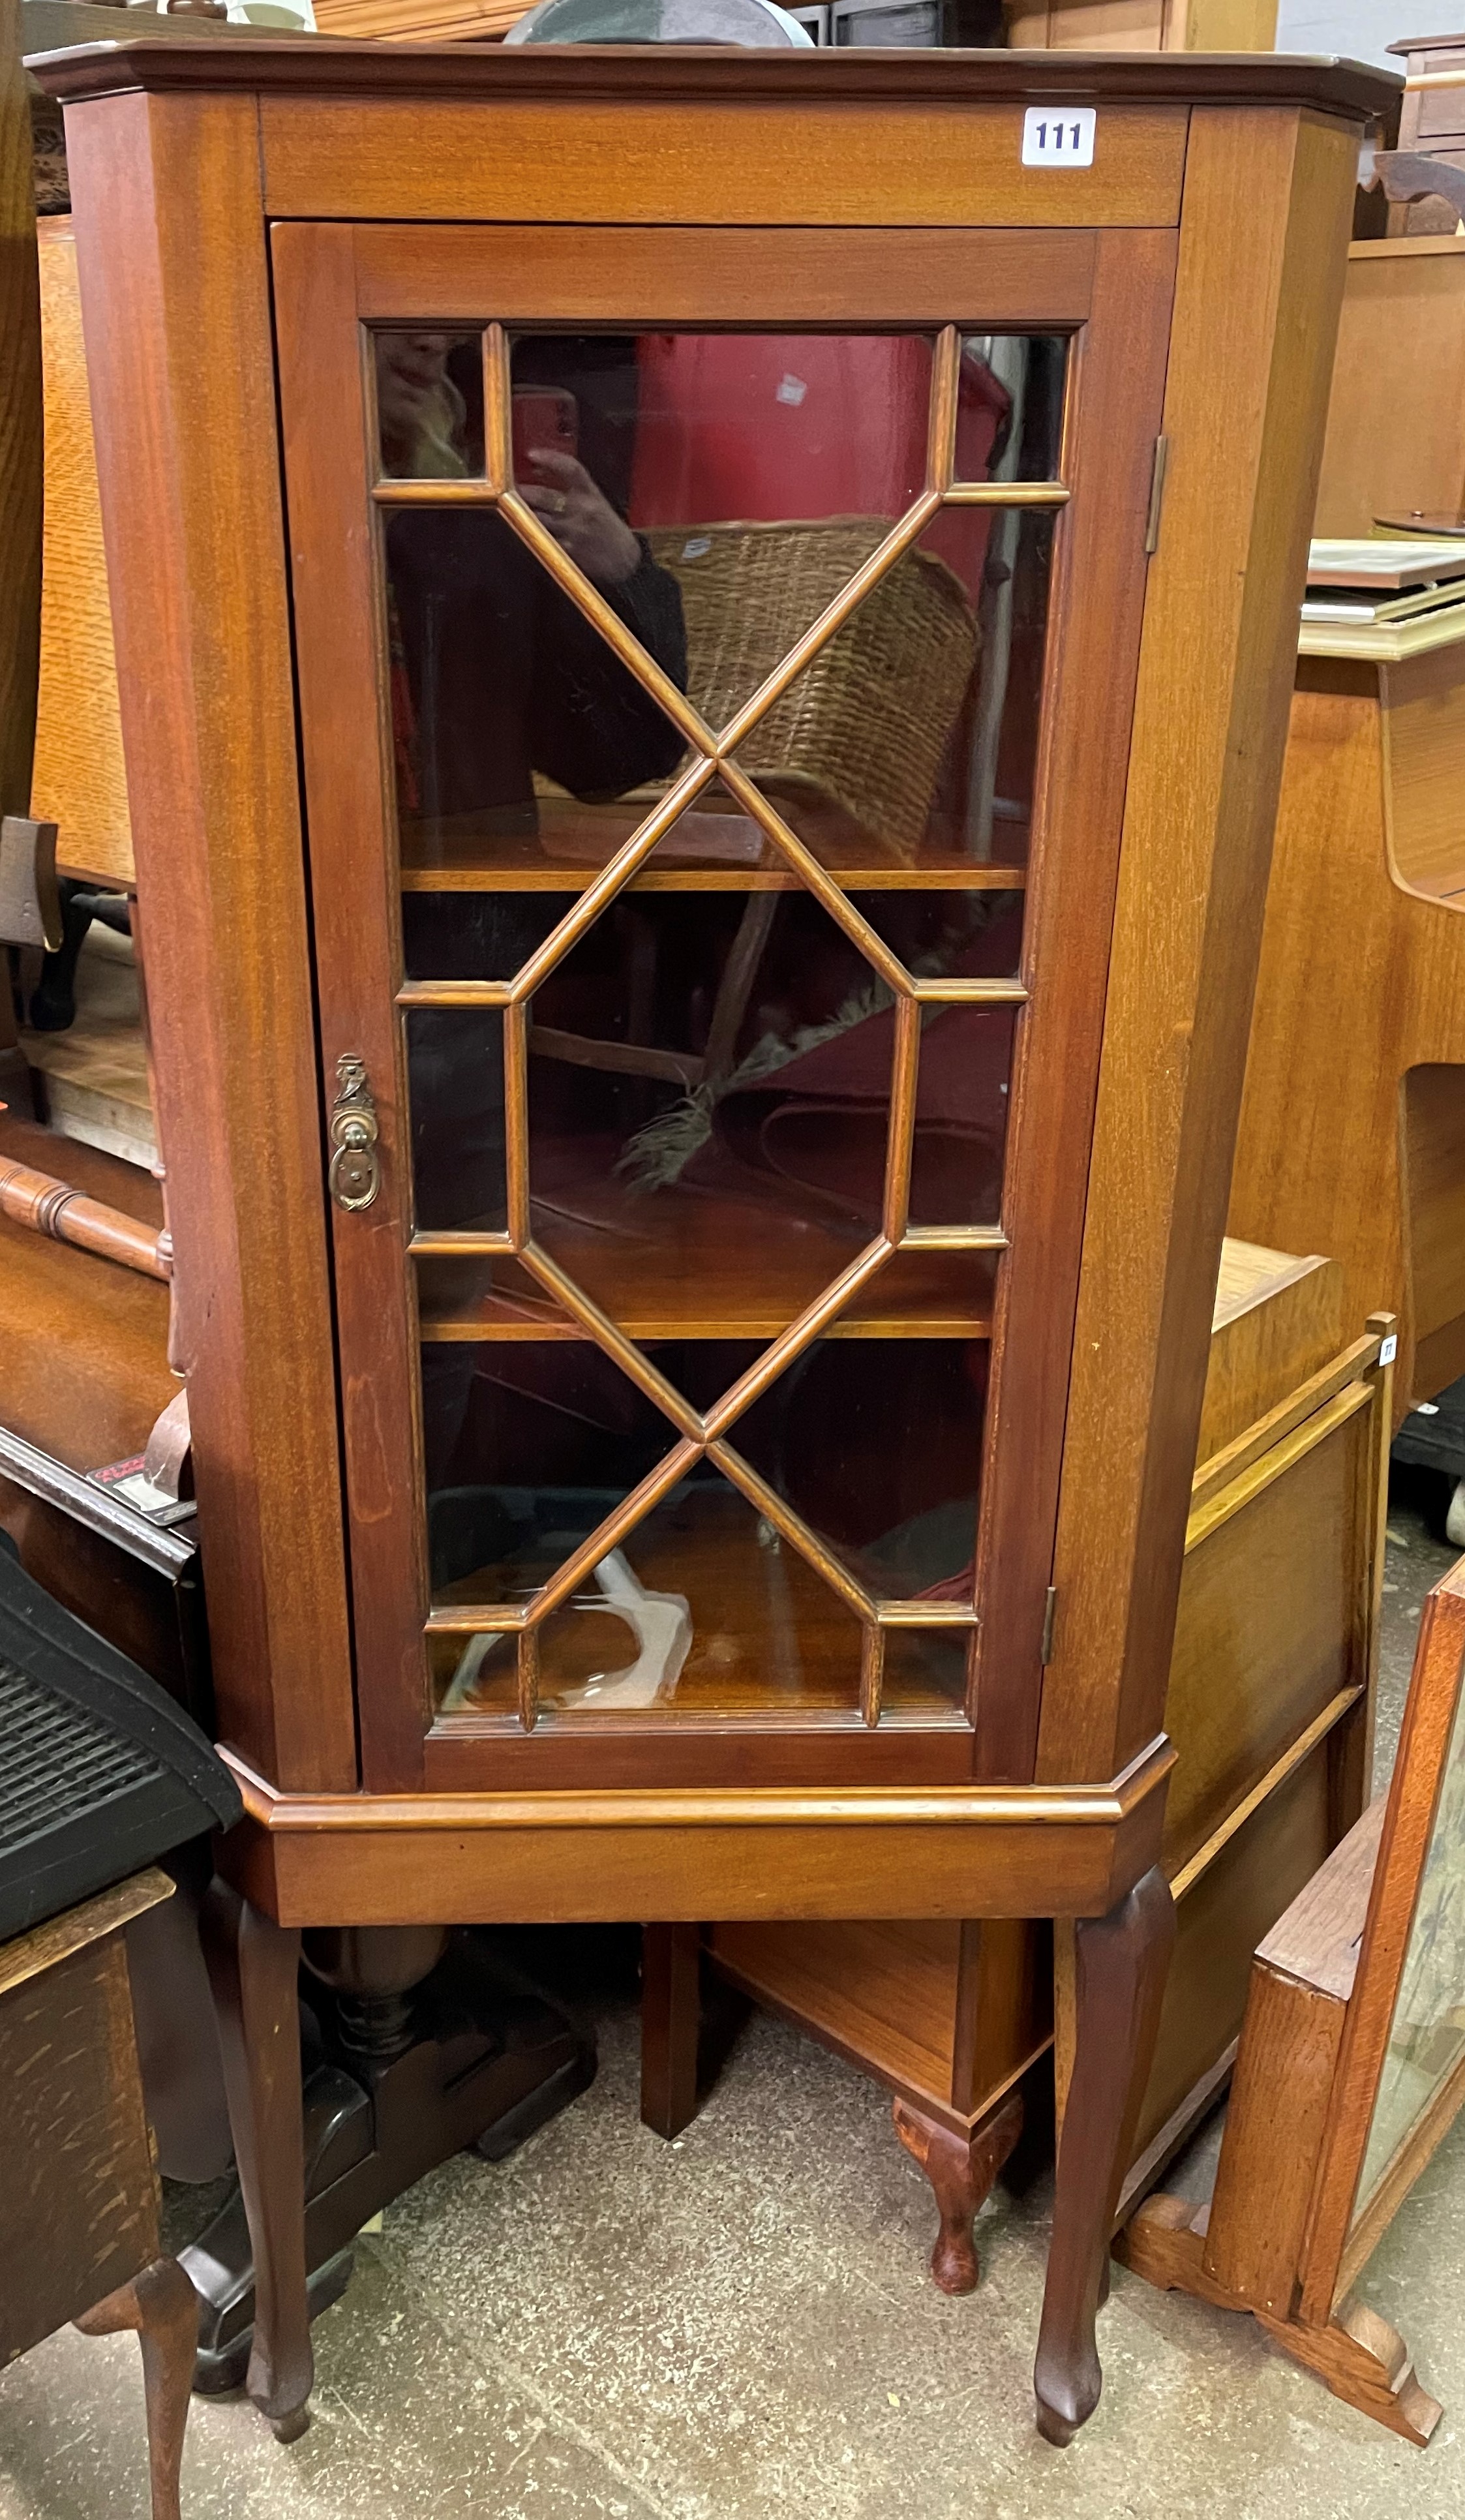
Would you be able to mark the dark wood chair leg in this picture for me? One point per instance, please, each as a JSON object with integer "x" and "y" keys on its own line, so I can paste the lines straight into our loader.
{"x": 161, "y": 2305}
{"x": 671, "y": 2016}
{"x": 1121, "y": 1964}
{"x": 254, "y": 1967}
{"x": 961, "y": 2169}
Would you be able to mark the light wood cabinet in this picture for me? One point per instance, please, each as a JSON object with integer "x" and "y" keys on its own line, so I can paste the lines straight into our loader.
{"x": 1353, "y": 1132}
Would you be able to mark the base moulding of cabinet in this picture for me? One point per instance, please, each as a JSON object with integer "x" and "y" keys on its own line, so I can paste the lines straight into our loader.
{"x": 998, "y": 1850}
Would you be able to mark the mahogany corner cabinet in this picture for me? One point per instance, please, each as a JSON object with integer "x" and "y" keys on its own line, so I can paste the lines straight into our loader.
{"x": 703, "y": 642}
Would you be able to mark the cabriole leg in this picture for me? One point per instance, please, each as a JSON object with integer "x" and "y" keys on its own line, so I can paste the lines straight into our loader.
{"x": 961, "y": 2168}
{"x": 1120, "y": 1967}
{"x": 254, "y": 1967}
{"x": 161, "y": 2305}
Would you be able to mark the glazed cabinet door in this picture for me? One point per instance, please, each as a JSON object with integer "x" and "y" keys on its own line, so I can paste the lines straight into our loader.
{"x": 716, "y": 657}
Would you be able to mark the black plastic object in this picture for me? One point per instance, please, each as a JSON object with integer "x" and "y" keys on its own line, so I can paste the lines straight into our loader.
{"x": 1433, "y": 1437}
{"x": 482, "y": 2060}
{"x": 100, "y": 1771}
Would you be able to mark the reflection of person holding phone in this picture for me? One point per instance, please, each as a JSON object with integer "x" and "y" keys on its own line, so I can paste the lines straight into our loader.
{"x": 504, "y": 674}
{"x": 498, "y": 676}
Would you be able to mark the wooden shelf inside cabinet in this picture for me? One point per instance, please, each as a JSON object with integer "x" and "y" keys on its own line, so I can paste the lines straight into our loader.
{"x": 715, "y": 1272}
{"x": 840, "y": 269}
{"x": 574, "y": 842}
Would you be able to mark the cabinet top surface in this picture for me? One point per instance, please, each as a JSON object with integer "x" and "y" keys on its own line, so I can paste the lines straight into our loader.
{"x": 459, "y": 71}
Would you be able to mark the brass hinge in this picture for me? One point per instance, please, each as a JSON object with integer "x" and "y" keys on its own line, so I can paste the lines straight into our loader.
{"x": 1049, "y": 1609}
{"x": 1157, "y": 495}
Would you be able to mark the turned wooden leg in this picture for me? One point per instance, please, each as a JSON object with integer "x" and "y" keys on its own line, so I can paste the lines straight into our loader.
{"x": 254, "y": 1967}
{"x": 961, "y": 2169}
{"x": 161, "y": 2305}
{"x": 1120, "y": 1966}
{"x": 670, "y": 2015}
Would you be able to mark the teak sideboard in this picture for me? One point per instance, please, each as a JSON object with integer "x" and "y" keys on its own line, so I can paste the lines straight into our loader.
{"x": 703, "y": 654}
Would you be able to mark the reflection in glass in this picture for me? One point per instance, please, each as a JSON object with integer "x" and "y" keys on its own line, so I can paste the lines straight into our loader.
{"x": 961, "y": 1105}
{"x": 1025, "y": 369}
{"x": 529, "y": 1445}
{"x": 429, "y": 428}
{"x": 703, "y": 1609}
{"x": 692, "y": 1061}
{"x": 455, "y": 1068}
{"x": 877, "y": 1445}
{"x": 1427, "y": 2036}
{"x": 911, "y": 738}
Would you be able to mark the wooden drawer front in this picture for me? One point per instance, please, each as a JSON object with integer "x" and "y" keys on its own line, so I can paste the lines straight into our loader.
{"x": 1441, "y": 110}
{"x": 1221, "y": 1920}
{"x": 1271, "y": 1624}
{"x": 74, "y": 2116}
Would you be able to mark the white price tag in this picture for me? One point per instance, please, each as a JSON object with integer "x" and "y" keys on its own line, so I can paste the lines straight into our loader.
{"x": 1388, "y": 1348}
{"x": 1059, "y": 136}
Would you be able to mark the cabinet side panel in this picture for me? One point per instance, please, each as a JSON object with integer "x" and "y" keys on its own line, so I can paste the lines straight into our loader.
{"x": 1267, "y": 1636}
{"x": 1221, "y": 1920}
{"x": 176, "y": 308}
{"x": 1256, "y": 310}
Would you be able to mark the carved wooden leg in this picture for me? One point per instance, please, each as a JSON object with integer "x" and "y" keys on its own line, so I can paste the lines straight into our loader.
{"x": 254, "y": 1966}
{"x": 1120, "y": 1979}
{"x": 161, "y": 2305}
{"x": 671, "y": 2013}
{"x": 961, "y": 2169}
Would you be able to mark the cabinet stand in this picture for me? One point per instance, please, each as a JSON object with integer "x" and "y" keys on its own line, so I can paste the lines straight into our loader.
{"x": 1120, "y": 1965}
{"x": 424, "y": 2045}
{"x": 254, "y": 1967}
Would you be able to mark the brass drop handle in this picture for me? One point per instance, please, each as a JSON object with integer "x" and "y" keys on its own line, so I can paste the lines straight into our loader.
{"x": 355, "y": 1166}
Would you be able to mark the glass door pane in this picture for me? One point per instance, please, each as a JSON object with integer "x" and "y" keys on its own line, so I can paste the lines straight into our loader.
{"x": 698, "y": 718}
{"x": 729, "y": 822}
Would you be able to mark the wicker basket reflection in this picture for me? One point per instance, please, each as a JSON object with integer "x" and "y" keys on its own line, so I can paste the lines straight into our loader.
{"x": 864, "y": 725}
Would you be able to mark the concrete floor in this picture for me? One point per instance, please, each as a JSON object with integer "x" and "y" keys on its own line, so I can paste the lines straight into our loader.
{"x": 742, "y": 2323}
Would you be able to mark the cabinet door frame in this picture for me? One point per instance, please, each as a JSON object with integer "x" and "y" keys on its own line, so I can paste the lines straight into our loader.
{"x": 1111, "y": 291}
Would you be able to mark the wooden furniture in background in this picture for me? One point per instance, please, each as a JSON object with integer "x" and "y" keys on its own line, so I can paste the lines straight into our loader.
{"x": 80, "y": 2201}
{"x": 1431, "y": 122}
{"x": 1350, "y": 2070}
{"x": 1352, "y": 1123}
{"x": 420, "y": 21}
{"x": 1270, "y": 1707}
{"x": 1396, "y": 433}
{"x": 20, "y": 435}
{"x": 78, "y": 781}
{"x": 1143, "y": 25}
{"x": 232, "y": 208}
